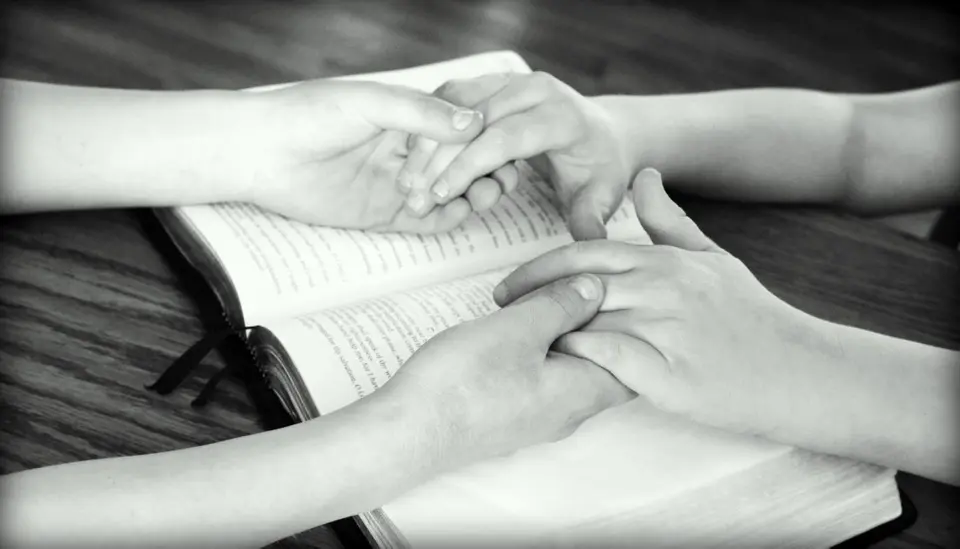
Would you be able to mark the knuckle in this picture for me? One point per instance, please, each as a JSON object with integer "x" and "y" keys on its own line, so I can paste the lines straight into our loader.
{"x": 656, "y": 222}
{"x": 671, "y": 259}
{"x": 608, "y": 352}
{"x": 527, "y": 322}
{"x": 560, "y": 300}
{"x": 671, "y": 298}
{"x": 579, "y": 248}
{"x": 496, "y": 141}
{"x": 615, "y": 352}
{"x": 543, "y": 80}
{"x": 449, "y": 90}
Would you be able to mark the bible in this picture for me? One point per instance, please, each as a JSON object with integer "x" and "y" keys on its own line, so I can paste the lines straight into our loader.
{"x": 334, "y": 313}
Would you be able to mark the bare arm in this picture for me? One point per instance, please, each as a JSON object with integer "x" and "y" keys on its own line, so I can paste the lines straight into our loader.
{"x": 245, "y": 492}
{"x": 323, "y": 151}
{"x": 68, "y": 147}
{"x": 879, "y": 399}
{"x": 873, "y": 154}
{"x": 432, "y": 416}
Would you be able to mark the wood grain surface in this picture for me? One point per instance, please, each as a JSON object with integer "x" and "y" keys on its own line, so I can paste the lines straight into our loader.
{"x": 89, "y": 311}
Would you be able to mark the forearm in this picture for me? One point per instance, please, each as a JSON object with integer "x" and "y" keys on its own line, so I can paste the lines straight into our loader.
{"x": 70, "y": 148}
{"x": 871, "y": 153}
{"x": 245, "y": 492}
{"x": 764, "y": 145}
{"x": 878, "y": 399}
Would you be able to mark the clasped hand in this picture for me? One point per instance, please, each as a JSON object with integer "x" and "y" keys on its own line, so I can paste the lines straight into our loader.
{"x": 570, "y": 139}
{"x": 328, "y": 152}
{"x": 687, "y": 325}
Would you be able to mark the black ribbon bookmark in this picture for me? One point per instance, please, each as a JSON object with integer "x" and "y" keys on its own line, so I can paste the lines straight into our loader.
{"x": 188, "y": 362}
{"x": 204, "y": 397}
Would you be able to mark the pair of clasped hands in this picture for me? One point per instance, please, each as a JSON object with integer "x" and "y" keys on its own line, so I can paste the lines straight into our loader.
{"x": 583, "y": 327}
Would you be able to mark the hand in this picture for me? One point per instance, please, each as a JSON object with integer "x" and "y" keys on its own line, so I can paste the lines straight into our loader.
{"x": 686, "y": 325}
{"x": 328, "y": 153}
{"x": 535, "y": 117}
{"x": 494, "y": 385}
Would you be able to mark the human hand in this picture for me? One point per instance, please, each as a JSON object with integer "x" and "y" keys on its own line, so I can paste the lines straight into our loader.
{"x": 686, "y": 325}
{"x": 566, "y": 137}
{"x": 328, "y": 152}
{"x": 493, "y": 385}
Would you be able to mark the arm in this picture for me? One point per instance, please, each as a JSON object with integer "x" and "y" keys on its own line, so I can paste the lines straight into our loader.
{"x": 873, "y": 154}
{"x": 691, "y": 329}
{"x": 477, "y": 390}
{"x": 70, "y": 147}
{"x": 323, "y": 151}
{"x": 879, "y": 399}
{"x": 245, "y": 492}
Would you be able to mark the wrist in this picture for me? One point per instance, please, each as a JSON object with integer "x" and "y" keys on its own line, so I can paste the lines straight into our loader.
{"x": 239, "y": 131}
{"x": 633, "y": 121}
{"x": 615, "y": 111}
{"x": 665, "y": 132}
{"x": 828, "y": 401}
{"x": 423, "y": 434}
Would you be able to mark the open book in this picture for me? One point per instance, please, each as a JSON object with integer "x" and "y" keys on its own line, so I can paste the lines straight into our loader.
{"x": 337, "y": 312}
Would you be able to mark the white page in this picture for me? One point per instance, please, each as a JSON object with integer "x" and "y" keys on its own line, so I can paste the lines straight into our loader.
{"x": 282, "y": 268}
{"x": 429, "y": 77}
{"x": 345, "y": 353}
{"x": 626, "y": 457}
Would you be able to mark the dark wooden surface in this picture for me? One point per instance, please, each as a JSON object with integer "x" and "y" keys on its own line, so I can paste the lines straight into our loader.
{"x": 90, "y": 312}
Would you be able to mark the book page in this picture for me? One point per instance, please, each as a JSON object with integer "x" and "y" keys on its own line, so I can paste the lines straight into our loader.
{"x": 345, "y": 353}
{"x": 625, "y": 457}
{"x": 430, "y": 77}
{"x": 282, "y": 268}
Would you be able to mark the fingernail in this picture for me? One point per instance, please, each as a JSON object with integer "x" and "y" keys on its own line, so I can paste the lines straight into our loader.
{"x": 416, "y": 202}
{"x": 652, "y": 174}
{"x": 441, "y": 189}
{"x": 586, "y": 286}
{"x": 500, "y": 293}
{"x": 462, "y": 118}
{"x": 404, "y": 181}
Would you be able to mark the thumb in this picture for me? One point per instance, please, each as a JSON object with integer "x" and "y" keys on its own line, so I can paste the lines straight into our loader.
{"x": 664, "y": 221}
{"x": 557, "y": 308}
{"x": 412, "y": 111}
{"x": 590, "y": 208}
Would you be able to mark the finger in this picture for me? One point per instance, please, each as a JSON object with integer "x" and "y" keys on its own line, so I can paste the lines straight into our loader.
{"x": 440, "y": 220}
{"x": 418, "y": 157}
{"x": 461, "y": 92}
{"x": 468, "y": 92}
{"x": 634, "y": 314}
{"x": 665, "y": 222}
{"x": 522, "y": 92}
{"x": 412, "y": 111}
{"x": 420, "y": 199}
{"x": 442, "y": 157}
{"x": 508, "y": 177}
{"x": 515, "y": 138}
{"x": 591, "y": 207}
{"x": 634, "y": 362}
{"x": 581, "y": 387}
{"x": 483, "y": 194}
{"x": 418, "y": 204}
{"x": 598, "y": 256}
{"x": 556, "y": 309}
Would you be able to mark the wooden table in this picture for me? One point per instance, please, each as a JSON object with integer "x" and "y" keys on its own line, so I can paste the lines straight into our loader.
{"x": 89, "y": 311}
